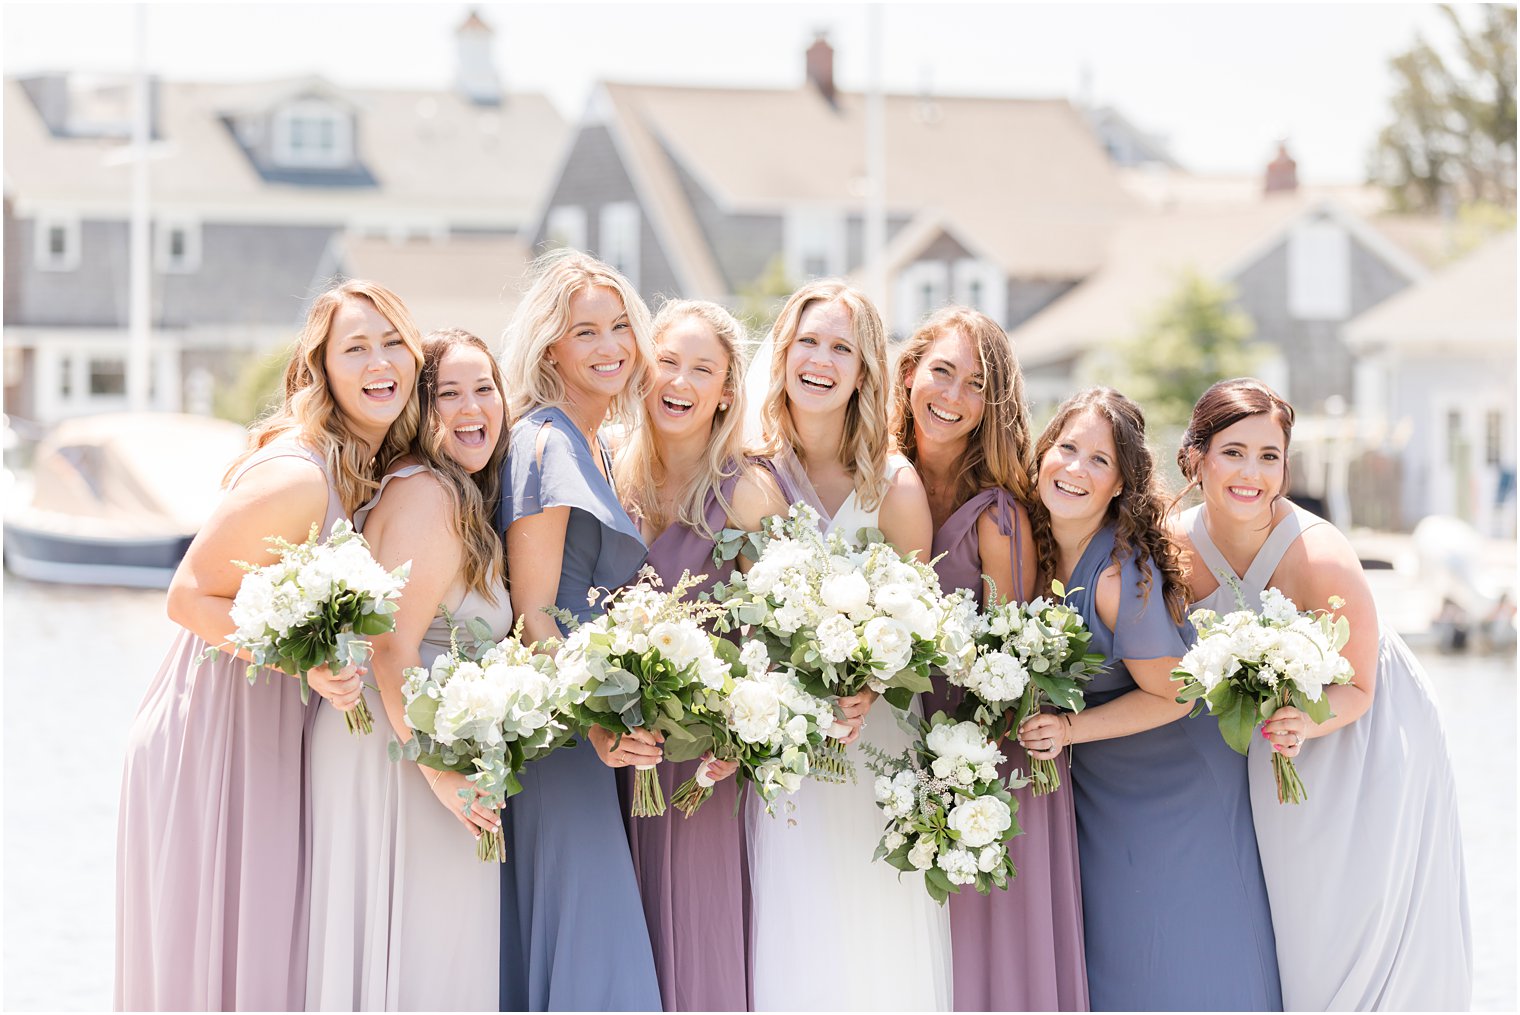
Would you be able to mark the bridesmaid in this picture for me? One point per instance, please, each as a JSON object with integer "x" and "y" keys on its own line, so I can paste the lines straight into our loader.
{"x": 374, "y": 940}
{"x": 211, "y": 897}
{"x": 684, "y": 477}
{"x": 1175, "y": 911}
{"x": 961, "y": 417}
{"x": 573, "y": 935}
{"x": 1380, "y": 821}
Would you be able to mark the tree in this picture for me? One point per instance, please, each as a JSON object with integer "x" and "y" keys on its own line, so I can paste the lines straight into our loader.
{"x": 1196, "y": 337}
{"x": 1452, "y": 135}
{"x": 255, "y": 389}
{"x": 761, "y": 300}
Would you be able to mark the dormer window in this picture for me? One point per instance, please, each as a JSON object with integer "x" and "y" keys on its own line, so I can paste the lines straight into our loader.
{"x": 313, "y": 134}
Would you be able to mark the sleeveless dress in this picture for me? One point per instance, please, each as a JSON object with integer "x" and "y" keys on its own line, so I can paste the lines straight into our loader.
{"x": 692, "y": 871}
{"x": 1019, "y": 949}
{"x": 390, "y": 867}
{"x": 832, "y": 929}
{"x": 1176, "y": 915}
{"x": 573, "y": 935}
{"x": 1379, "y": 920}
{"x": 211, "y": 887}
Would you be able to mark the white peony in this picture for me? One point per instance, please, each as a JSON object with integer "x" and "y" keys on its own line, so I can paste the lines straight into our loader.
{"x": 891, "y": 645}
{"x": 921, "y": 856}
{"x": 754, "y": 711}
{"x": 991, "y": 857}
{"x": 847, "y": 593}
{"x": 980, "y": 821}
{"x": 836, "y": 638}
{"x": 959, "y": 866}
{"x": 963, "y": 741}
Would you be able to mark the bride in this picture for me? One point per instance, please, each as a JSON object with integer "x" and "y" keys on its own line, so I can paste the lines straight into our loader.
{"x": 831, "y": 929}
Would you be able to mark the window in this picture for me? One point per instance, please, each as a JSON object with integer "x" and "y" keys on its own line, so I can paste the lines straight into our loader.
{"x": 921, "y": 289}
{"x": 1493, "y": 437}
{"x": 618, "y": 238}
{"x": 981, "y": 285}
{"x": 1319, "y": 271}
{"x": 1454, "y": 442}
{"x": 566, "y": 227}
{"x": 814, "y": 242}
{"x": 57, "y": 242}
{"x": 313, "y": 134}
{"x": 178, "y": 246}
{"x": 65, "y": 376}
{"x": 108, "y": 376}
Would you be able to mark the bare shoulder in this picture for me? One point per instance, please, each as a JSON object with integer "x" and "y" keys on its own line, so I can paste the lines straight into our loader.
{"x": 420, "y": 494}
{"x": 1106, "y": 595}
{"x": 756, "y": 496}
{"x": 290, "y": 484}
{"x": 1320, "y": 563}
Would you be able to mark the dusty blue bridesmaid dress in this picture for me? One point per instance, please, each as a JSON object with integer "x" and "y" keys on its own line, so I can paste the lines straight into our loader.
{"x": 1174, "y": 906}
{"x": 573, "y": 935}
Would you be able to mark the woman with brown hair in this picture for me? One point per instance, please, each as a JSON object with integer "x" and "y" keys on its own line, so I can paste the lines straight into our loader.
{"x": 960, "y": 417}
{"x": 1175, "y": 911}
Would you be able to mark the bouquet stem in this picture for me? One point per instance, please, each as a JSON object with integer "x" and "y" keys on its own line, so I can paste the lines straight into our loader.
{"x": 689, "y": 796}
{"x": 1044, "y": 776}
{"x": 358, "y": 719}
{"x": 829, "y": 761}
{"x": 491, "y": 847}
{"x": 648, "y": 800}
{"x": 1290, "y": 788}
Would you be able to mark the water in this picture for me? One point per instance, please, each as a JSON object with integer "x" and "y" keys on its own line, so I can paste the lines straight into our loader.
{"x": 77, "y": 661}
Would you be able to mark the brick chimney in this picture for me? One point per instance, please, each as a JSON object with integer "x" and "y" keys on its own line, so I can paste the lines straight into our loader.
{"x": 820, "y": 67}
{"x": 1282, "y": 172}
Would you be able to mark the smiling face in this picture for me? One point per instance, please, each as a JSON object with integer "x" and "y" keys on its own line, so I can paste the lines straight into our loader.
{"x": 823, "y": 362}
{"x": 469, "y": 406}
{"x": 1242, "y": 471}
{"x": 1079, "y": 475}
{"x": 690, "y": 373}
{"x": 370, "y": 371}
{"x": 595, "y": 356}
{"x": 945, "y": 390}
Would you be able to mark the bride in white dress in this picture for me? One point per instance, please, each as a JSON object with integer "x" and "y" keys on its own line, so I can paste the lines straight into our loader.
{"x": 830, "y": 928}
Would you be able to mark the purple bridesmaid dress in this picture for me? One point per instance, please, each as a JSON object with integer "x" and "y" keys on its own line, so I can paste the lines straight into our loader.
{"x": 692, "y": 871}
{"x": 1019, "y": 949}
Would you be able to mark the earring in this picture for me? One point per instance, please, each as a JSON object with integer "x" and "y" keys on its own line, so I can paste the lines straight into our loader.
{"x": 553, "y": 362}
{"x": 722, "y": 406}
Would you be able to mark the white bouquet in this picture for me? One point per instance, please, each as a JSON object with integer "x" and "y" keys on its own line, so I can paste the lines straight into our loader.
{"x": 647, "y": 663}
{"x": 768, "y": 724}
{"x": 949, "y": 814}
{"x": 846, "y": 617}
{"x": 1247, "y": 665}
{"x": 315, "y": 605}
{"x": 486, "y": 711}
{"x": 1027, "y": 656}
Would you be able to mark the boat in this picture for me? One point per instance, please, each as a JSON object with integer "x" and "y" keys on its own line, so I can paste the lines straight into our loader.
{"x": 115, "y": 499}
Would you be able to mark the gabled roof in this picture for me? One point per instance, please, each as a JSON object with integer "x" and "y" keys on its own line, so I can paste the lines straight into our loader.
{"x": 432, "y": 153}
{"x": 1025, "y": 177}
{"x": 1471, "y": 301}
{"x": 1147, "y": 255}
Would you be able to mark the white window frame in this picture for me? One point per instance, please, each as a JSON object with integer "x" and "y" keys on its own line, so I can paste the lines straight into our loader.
{"x": 190, "y": 261}
{"x": 809, "y": 233}
{"x": 617, "y": 238}
{"x": 1319, "y": 271}
{"x": 994, "y": 283}
{"x": 911, "y": 308}
{"x": 340, "y": 153}
{"x": 42, "y": 247}
{"x": 566, "y": 227}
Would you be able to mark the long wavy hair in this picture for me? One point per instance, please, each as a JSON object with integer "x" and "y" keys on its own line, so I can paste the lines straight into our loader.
{"x": 473, "y": 497}
{"x": 641, "y": 470}
{"x": 1138, "y": 511}
{"x": 543, "y": 318}
{"x": 309, "y": 410}
{"x": 1223, "y": 405}
{"x": 999, "y": 451}
{"x": 867, "y": 438}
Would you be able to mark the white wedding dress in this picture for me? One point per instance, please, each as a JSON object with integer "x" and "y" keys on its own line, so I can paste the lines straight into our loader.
{"x": 830, "y": 928}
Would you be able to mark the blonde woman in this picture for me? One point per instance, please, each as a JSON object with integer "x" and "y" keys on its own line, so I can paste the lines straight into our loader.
{"x": 960, "y": 416}
{"x": 393, "y": 848}
{"x": 211, "y": 899}
{"x": 577, "y": 354}
{"x": 870, "y": 939}
{"x": 683, "y": 476}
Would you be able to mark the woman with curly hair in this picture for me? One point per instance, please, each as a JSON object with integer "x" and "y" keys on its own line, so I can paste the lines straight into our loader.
{"x": 960, "y": 417}
{"x": 1175, "y": 909}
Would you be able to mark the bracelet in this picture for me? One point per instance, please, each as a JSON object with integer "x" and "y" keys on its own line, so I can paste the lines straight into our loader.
{"x": 1069, "y": 728}
{"x": 433, "y": 783}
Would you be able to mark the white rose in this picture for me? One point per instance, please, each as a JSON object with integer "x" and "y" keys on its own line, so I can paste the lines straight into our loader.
{"x": 989, "y": 859}
{"x": 893, "y": 840}
{"x": 891, "y": 645}
{"x": 895, "y": 598}
{"x": 980, "y": 821}
{"x": 921, "y": 856}
{"x": 847, "y": 593}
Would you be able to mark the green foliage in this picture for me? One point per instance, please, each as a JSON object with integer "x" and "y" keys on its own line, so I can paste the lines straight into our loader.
{"x": 760, "y": 300}
{"x": 1452, "y": 131}
{"x": 1196, "y": 337}
{"x": 255, "y": 389}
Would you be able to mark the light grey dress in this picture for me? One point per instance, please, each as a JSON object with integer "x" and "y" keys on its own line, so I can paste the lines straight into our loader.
{"x": 1365, "y": 877}
{"x": 404, "y": 917}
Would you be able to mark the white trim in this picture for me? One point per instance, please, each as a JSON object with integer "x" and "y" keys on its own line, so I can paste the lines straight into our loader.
{"x": 568, "y": 222}
{"x": 42, "y": 235}
{"x": 1319, "y": 270}
{"x": 619, "y": 229}
{"x": 994, "y": 283}
{"x": 1360, "y": 231}
{"x": 320, "y": 210}
{"x": 319, "y": 112}
{"x": 163, "y": 229}
{"x": 814, "y": 231}
{"x": 911, "y": 308}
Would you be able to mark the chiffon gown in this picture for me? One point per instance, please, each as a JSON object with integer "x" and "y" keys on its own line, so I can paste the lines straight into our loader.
{"x": 573, "y": 934}
{"x": 1018, "y": 949}
{"x": 830, "y": 928}
{"x": 210, "y": 876}
{"x": 390, "y": 868}
{"x": 1378, "y": 921}
{"x": 692, "y": 871}
{"x": 1176, "y": 914}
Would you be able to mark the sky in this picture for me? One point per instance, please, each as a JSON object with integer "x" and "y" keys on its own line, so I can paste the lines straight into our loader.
{"x": 1221, "y": 82}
